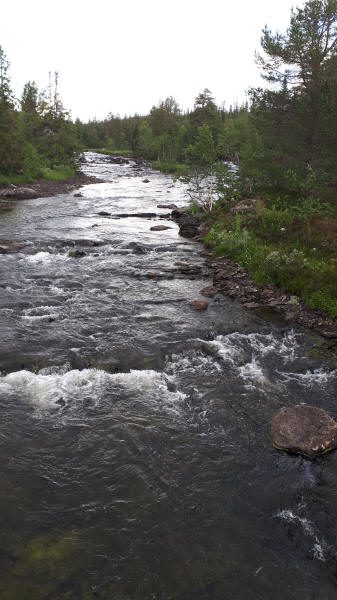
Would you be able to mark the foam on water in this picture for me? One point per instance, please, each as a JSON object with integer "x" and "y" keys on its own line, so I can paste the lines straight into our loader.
{"x": 318, "y": 377}
{"x": 253, "y": 375}
{"x": 46, "y": 388}
{"x": 320, "y": 547}
{"x": 235, "y": 345}
{"x": 245, "y": 355}
{"x": 40, "y": 257}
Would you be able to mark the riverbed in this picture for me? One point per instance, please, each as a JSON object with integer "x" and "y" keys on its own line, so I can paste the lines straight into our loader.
{"x": 135, "y": 454}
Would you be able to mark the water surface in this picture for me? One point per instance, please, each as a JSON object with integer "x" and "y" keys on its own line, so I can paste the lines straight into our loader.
{"x": 135, "y": 452}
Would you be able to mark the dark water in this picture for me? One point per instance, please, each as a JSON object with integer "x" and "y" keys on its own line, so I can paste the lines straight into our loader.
{"x": 135, "y": 457}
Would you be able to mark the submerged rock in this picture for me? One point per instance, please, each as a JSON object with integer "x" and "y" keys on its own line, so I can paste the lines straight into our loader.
{"x": 305, "y": 430}
{"x": 41, "y": 568}
{"x": 77, "y": 253}
{"x": 159, "y": 228}
{"x": 146, "y": 181}
{"x": 209, "y": 292}
{"x": 198, "y": 305}
{"x": 170, "y": 206}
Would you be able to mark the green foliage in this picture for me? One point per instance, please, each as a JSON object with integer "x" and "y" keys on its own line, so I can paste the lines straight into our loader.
{"x": 273, "y": 223}
{"x": 166, "y": 166}
{"x": 58, "y": 173}
{"x": 40, "y": 136}
{"x": 202, "y": 153}
{"x": 291, "y": 134}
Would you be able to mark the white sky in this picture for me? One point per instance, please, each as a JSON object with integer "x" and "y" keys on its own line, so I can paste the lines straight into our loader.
{"x": 125, "y": 56}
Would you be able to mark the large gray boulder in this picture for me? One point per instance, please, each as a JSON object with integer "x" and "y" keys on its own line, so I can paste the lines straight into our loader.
{"x": 305, "y": 430}
{"x": 21, "y": 193}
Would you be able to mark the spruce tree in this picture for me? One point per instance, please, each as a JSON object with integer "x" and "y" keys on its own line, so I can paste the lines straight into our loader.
{"x": 10, "y": 147}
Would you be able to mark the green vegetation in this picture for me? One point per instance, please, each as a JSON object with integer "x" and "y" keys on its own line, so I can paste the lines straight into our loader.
{"x": 277, "y": 215}
{"x": 293, "y": 247}
{"x": 37, "y": 137}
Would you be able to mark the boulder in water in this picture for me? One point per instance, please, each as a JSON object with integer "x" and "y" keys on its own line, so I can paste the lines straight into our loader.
{"x": 170, "y": 206}
{"x": 77, "y": 253}
{"x": 209, "y": 292}
{"x": 198, "y": 305}
{"x": 159, "y": 228}
{"x": 305, "y": 430}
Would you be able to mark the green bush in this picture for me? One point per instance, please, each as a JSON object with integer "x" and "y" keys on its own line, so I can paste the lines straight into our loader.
{"x": 273, "y": 223}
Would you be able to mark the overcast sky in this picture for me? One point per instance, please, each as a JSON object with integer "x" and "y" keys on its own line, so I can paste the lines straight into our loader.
{"x": 125, "y": 56}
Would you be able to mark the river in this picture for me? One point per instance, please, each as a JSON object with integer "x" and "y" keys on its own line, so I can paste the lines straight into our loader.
{"x": 136, "y": 462}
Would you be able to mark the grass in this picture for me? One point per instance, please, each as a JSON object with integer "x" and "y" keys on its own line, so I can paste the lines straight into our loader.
{"x": 167, "y": 166}
{"x": 56, "y": 174}
{"x": 297, "y": 252}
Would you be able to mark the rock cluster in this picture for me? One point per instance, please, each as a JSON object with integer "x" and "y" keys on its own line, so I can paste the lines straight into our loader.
{"x": 188, "y": 224}
{"x": 44, "y": 188}
{"x": 234, "y": 281}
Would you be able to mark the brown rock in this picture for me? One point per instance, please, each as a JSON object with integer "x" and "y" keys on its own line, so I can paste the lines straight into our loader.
{"x": 171, "y": 206}
{"x": 305, "y": 430}
{"x": 209, "y": 292}
{"x": 198, "y": 305}
{"x": 159, "y": 228}
{"x": 251, "y": 305}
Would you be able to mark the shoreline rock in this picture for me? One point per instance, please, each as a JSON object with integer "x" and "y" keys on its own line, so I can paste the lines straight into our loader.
{"x": 232, "y": 280}
{"x": 188, "y": 224}
{"x": 45, "y": 189}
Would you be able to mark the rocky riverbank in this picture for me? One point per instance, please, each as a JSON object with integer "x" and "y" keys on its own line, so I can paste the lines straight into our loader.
{"x": 43, "y": 188}
{"x": 230, "y": 279}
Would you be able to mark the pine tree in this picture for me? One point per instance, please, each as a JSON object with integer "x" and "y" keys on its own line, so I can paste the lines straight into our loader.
{"x": 10, "y": 147}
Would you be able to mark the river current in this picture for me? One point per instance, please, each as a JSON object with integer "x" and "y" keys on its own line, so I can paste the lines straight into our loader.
{"x": 136, "y": 462}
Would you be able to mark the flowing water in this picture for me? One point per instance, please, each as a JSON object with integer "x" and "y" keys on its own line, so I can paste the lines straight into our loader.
{"x": 135, "y": 454}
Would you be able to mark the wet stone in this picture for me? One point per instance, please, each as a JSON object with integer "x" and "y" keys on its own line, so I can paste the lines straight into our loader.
{"x": 76, "y": 253}
{"x": 304, "y": 430}
{"x": 159, "y": 228}
{"x": 198, "y": 305}
{"x": 209, "y": 292}
{"x": 170, "y": 206}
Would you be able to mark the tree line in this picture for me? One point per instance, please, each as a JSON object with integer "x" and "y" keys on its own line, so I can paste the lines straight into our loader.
{"x": 37, "y": 135}
{"x": 284, "y": 138}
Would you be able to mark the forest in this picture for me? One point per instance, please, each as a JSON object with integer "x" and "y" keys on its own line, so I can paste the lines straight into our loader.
{"x": 274, "y": 213}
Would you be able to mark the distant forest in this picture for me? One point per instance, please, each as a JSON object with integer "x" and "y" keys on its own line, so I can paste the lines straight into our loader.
{"x": 284, "y": 138}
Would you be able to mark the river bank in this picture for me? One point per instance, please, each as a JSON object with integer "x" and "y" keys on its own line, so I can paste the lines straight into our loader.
{"x": 43, "y": 188}
{"x": 231, "y": 279}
